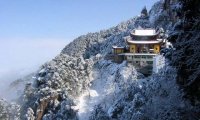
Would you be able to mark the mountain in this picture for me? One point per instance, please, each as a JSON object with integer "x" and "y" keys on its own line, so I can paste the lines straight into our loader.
{"x": 59, "y": 82}
{"x": 83, "y": 83}
{"x": 186, "y": 39}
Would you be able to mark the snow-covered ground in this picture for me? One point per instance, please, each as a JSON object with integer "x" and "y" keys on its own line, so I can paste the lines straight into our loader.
{"x": 105, "y": 85}
{"x": 122, "y": 94}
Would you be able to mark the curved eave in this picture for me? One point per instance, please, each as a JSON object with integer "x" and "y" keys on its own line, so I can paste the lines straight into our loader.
{"x": 143, "y": 42}
{"x": 133, "y": 34}
{"x": 115, "y": 47}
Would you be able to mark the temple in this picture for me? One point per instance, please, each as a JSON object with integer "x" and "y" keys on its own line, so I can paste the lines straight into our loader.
{"x": 142, "y": 46}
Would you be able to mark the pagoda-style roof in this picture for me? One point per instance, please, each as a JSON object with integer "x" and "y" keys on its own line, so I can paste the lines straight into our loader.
{"x": 146, "y": 34}
{"x": 143, "y": 42}
{"x": 129, "y": 40}
{"x": 131, "y": 54}
{"x": 149, "y": 37}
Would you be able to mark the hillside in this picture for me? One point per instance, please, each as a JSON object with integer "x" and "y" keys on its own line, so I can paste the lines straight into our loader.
{"x": 70, "y": 74}
{"x": 185, "y": 37}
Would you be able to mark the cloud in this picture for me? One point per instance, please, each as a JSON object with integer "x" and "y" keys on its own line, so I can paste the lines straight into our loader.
{"x": 20, "y": 57}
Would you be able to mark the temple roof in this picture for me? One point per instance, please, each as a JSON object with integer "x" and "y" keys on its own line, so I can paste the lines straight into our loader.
{"x": 157, "y": 41}
{"x": 115, "y": 47}
{"x": 144, "y": 42}
{"x": 143, "y": 36}
{"x": 148, "y": 54}
{"x": 144, "y": 32}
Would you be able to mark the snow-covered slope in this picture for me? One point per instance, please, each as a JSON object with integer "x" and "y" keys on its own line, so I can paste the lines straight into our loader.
{"x": 185, "y": 37}
{"x": 67, "y": 76}
{"x": 156, "y": 97}
{"x": 101, "y": 42}
{"x": 105, "y": 86}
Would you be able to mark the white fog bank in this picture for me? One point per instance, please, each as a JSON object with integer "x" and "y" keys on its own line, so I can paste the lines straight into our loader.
{"x": 19, "y": 58}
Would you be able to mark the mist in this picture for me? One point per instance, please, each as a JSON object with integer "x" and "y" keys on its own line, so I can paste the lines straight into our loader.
{"x": 19, "y": 58}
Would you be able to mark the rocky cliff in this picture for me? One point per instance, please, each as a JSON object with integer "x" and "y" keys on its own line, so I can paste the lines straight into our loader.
{"x": 185, "y": 36}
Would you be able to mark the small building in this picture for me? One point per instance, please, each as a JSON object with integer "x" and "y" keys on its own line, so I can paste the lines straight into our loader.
{"x": 118, "y": 50}
{"x": 143, "y": 46}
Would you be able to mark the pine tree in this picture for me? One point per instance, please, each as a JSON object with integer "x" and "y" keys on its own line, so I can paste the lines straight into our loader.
{"x": 144, "y": 11}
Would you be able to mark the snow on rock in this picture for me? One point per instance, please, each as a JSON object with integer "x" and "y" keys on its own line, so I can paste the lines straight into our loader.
{"x": 56, "y": 85}
{"x": 156, "y": 97}
{"x": 30, "y": 114}
{"x": 108, "y": 79}
{"x": 186, "y": 55}
{"x": 101, "y": 42}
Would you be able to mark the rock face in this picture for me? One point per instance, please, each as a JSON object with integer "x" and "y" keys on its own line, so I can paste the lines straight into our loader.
{"x": 56, "y": 84}
{"x": 105, "y": 86}
{"x": 80, "y": 84}
{"x": 157, "y": 97}
{"x": 181, "y": 19}
{"x": 185, "y": 38}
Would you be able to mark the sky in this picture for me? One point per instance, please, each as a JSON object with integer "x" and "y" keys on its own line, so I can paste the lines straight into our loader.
{"x": 35, "y": 31}
{"x": 63, "y": 19}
